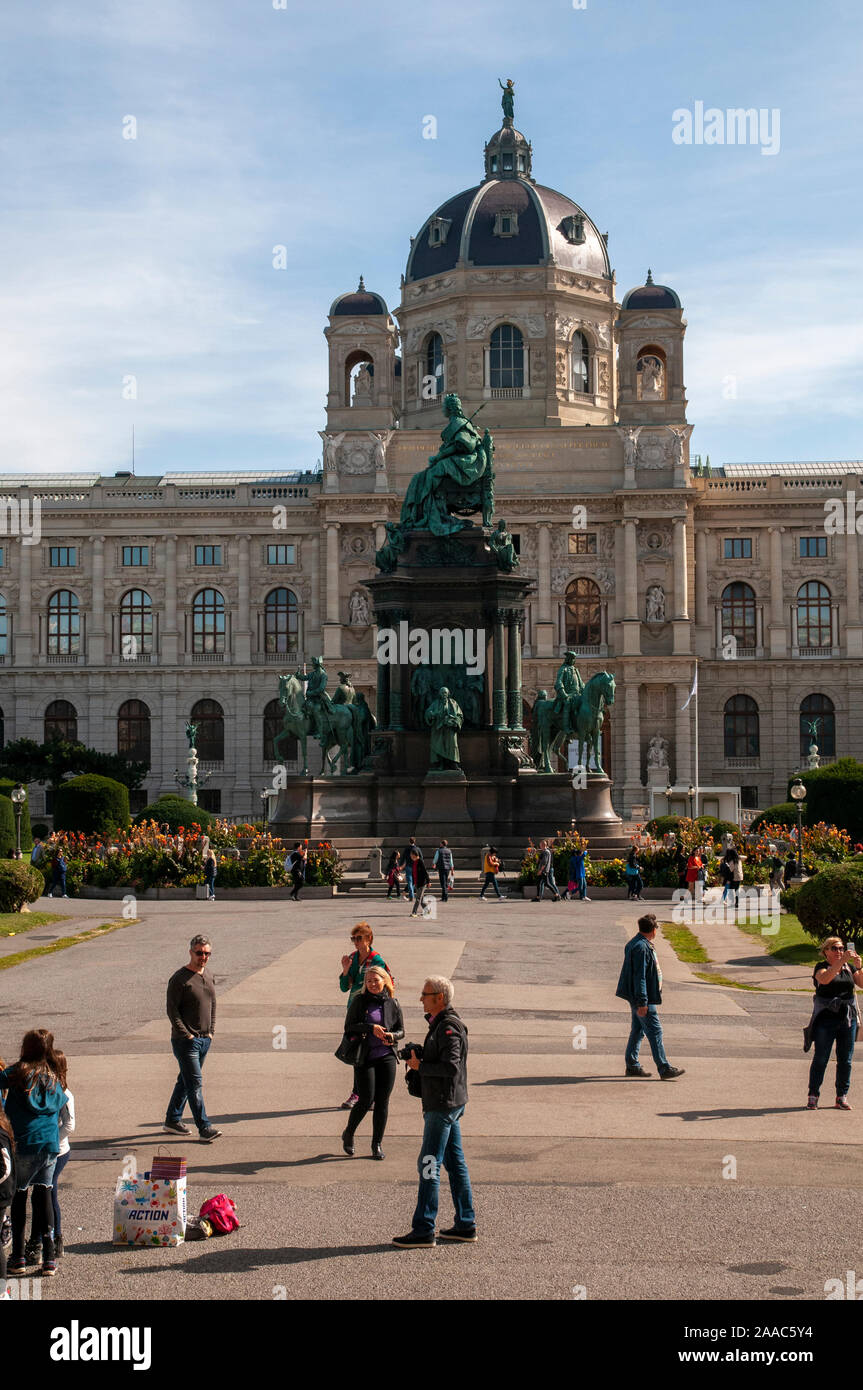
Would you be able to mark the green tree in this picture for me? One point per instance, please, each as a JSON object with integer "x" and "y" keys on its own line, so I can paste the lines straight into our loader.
{"x": 25, "y": 760}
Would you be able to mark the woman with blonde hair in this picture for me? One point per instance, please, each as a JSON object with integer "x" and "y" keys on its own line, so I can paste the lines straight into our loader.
{"x": 375, "y": 1017}
{"x": 352, "y": 977}
{"x": 835, "y": 1018}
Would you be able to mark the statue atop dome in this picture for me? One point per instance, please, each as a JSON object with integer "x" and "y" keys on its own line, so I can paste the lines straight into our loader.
{"x": 507, "y": 101}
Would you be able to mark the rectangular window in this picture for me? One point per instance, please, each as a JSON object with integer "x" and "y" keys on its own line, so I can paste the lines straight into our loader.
{"x": 208, "y": 554}
{"x": 749, "y": 798}
{"x": 582, "y": 543}
{"x": 738, "y": 547}
{"x": 812, "y": 547}
{"x": 136, "y": 555}
{"x": 281, "y": 554}
{"x": 516, "y": 542}
{"x": 137, "y": 801}
{"x": 210, "y": 800}
{"x": 63, "y": 556}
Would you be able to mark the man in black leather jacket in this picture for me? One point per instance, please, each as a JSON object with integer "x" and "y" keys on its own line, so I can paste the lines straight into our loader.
{"x": 442, "y": 1066}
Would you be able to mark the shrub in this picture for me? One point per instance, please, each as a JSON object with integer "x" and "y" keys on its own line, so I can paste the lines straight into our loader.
{"x": 7, "y": 829}
{"x": 725, "y": 827}
{"x": 831, "y": 904}
{"x": 40, "y": 831}
{"x": 92, "y": 804}
{"x": 663, "y": 825}
{"x": 20, "y": 883}
{"x": 175, "y": 811}
{"x": 784, "y": 814}
{"x": 7, "y": 786}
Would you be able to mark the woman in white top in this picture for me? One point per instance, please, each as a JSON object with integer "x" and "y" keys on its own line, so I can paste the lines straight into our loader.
{"x": 66, "y": 1126}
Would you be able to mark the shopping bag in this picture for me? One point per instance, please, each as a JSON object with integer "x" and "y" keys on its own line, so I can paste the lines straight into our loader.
{"x": 149, "y": 1210}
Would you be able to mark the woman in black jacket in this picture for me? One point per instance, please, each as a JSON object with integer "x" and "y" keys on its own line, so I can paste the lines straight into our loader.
{"x": 376, "y": 1017}
{"x": 419, "y": 876}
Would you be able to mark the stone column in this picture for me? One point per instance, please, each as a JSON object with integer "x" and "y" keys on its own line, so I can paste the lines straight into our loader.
{"x": 778, "y": 632}
{"x": 513, "y": 675}
{"x": 704, "y": 623}
{"x": 95, "y": 650}
{"x": 544, "y": 626}
{"x": 243, "y": 627}
{"x": 633, "y": 790}
{"x": 170, "y": 643}
{"x": 498, "y": 672}
{"x": 853, "y": 630}
{"x": 332, "y": 625}
{"x": 682, "y": 738}
{"x": 681, "y": 589}
{"x": 23, "y": 628}
{"x": 631, "y": 622}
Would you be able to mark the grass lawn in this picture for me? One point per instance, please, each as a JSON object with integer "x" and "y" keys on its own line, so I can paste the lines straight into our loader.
{"x": 685, "y": 944}
{"x": 11, "y": 923}
{"x": 64, "y": 942}
{"x": 791, "y": 945}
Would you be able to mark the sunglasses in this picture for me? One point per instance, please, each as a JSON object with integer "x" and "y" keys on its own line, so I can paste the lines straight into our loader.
{"x": 202, "y": 953}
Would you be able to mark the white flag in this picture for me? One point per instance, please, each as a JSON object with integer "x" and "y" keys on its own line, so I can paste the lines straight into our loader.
{"x": 693, "y": 691}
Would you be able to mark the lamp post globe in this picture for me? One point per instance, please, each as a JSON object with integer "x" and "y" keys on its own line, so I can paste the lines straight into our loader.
{"x": 18, "y": 796}
{"x": 798, "y": 793}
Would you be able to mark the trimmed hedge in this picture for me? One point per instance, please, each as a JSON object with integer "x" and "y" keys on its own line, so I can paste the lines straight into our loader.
{"x": 19, "y": 883}
{"x": 835, "y": 794}
{"x": 40, "y": 830}
{"x": 785, "y": 813}
{"x": 92, "y": 804}
{"x": 175, "y": 811}
{"x": 831, "y": 903}
{"x": 663, "y": 825}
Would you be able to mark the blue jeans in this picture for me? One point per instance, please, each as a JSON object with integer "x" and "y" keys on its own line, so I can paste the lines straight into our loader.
{"x": 442, "y": 1145}
{"x": 648, "y": 1027}
{"x": 830, "y": 1028}
{"x": 34, "y": 1168}
{"x": 190, "y": 1053}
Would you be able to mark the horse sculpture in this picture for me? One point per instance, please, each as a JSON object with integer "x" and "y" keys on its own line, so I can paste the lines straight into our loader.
{"x": 585, "y": 719}
{"x": 338, "y": 722}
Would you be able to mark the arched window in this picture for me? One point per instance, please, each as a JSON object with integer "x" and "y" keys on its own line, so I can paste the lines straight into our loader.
{"x": 434, "y": 366}
{"x": 4, "y": 630}
{"x": 742, "y": 738}
{"x": 506, "y": 360}
{"x": 813, "y": 615}
{"x": 136, "y": 621}
{"x": 583, "y": 625}
{"x": 273, "y": 720}
{"x": 61, "y": 721}
{"x": 210, "y": 738}
{"x": 133, "y": 731}
{"x": 580, "y": 363}
{"x": 359, "y": 375}
{"x": 818, "y": 707}
{"x": 64, "y": 624}
{"x": 651, "y": 372}
{"x": 208, "y": 619}
{"x": 738, "y": 614}
{"x": 281, "y": 621}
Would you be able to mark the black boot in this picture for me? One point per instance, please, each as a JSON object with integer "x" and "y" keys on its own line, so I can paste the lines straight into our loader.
{"x": 348, "y": 1142}
{"x": 377, "y": 1151}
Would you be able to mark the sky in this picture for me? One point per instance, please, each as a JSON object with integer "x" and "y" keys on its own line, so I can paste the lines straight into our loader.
{"x": 137, "y": 285}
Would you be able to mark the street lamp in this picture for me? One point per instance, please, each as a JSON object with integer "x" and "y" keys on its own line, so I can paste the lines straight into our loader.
{"x": 19, "y": 796}
{"x": 798, "y": 792}
{"x": 691, "y": 795}
{"x": 669, "y": 792}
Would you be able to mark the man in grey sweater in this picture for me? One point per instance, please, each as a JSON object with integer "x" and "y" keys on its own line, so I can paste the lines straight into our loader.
{"x": 192, "y": 1011}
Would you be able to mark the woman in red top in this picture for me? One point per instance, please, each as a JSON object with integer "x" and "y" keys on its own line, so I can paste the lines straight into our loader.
{"x": 693, "y": 871}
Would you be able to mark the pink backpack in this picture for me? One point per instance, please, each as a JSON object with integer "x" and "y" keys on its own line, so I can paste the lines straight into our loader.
{"x": 221, "y": 1212}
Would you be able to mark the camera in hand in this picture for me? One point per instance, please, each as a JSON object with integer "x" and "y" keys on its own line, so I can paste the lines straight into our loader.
{"x": 406, "y": 1052}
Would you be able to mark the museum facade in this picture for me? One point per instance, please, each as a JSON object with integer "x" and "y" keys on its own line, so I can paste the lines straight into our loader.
{"x": 139, "y": 604}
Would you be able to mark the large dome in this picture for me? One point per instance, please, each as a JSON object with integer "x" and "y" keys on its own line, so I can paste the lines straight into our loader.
{"x": 508, "y": 219}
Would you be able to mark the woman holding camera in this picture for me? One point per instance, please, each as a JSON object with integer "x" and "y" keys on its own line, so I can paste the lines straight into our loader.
{"x": 376, "y": 1017}
{"x": 835, "y": 1018}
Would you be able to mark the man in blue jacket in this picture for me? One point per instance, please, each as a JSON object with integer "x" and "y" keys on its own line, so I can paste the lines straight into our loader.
{"x": 640, "y": 984}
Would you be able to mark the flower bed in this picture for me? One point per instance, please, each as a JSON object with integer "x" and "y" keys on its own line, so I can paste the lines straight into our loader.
{"x": 149, "y": 857}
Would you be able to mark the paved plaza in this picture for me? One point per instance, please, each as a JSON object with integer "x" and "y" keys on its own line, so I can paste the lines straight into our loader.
{"x": 583, "y": 1179}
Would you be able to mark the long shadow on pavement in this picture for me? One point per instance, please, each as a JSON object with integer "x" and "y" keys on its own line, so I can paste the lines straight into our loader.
{"x": 729, "y": 1114}
{"x": 236, "y": 1261}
